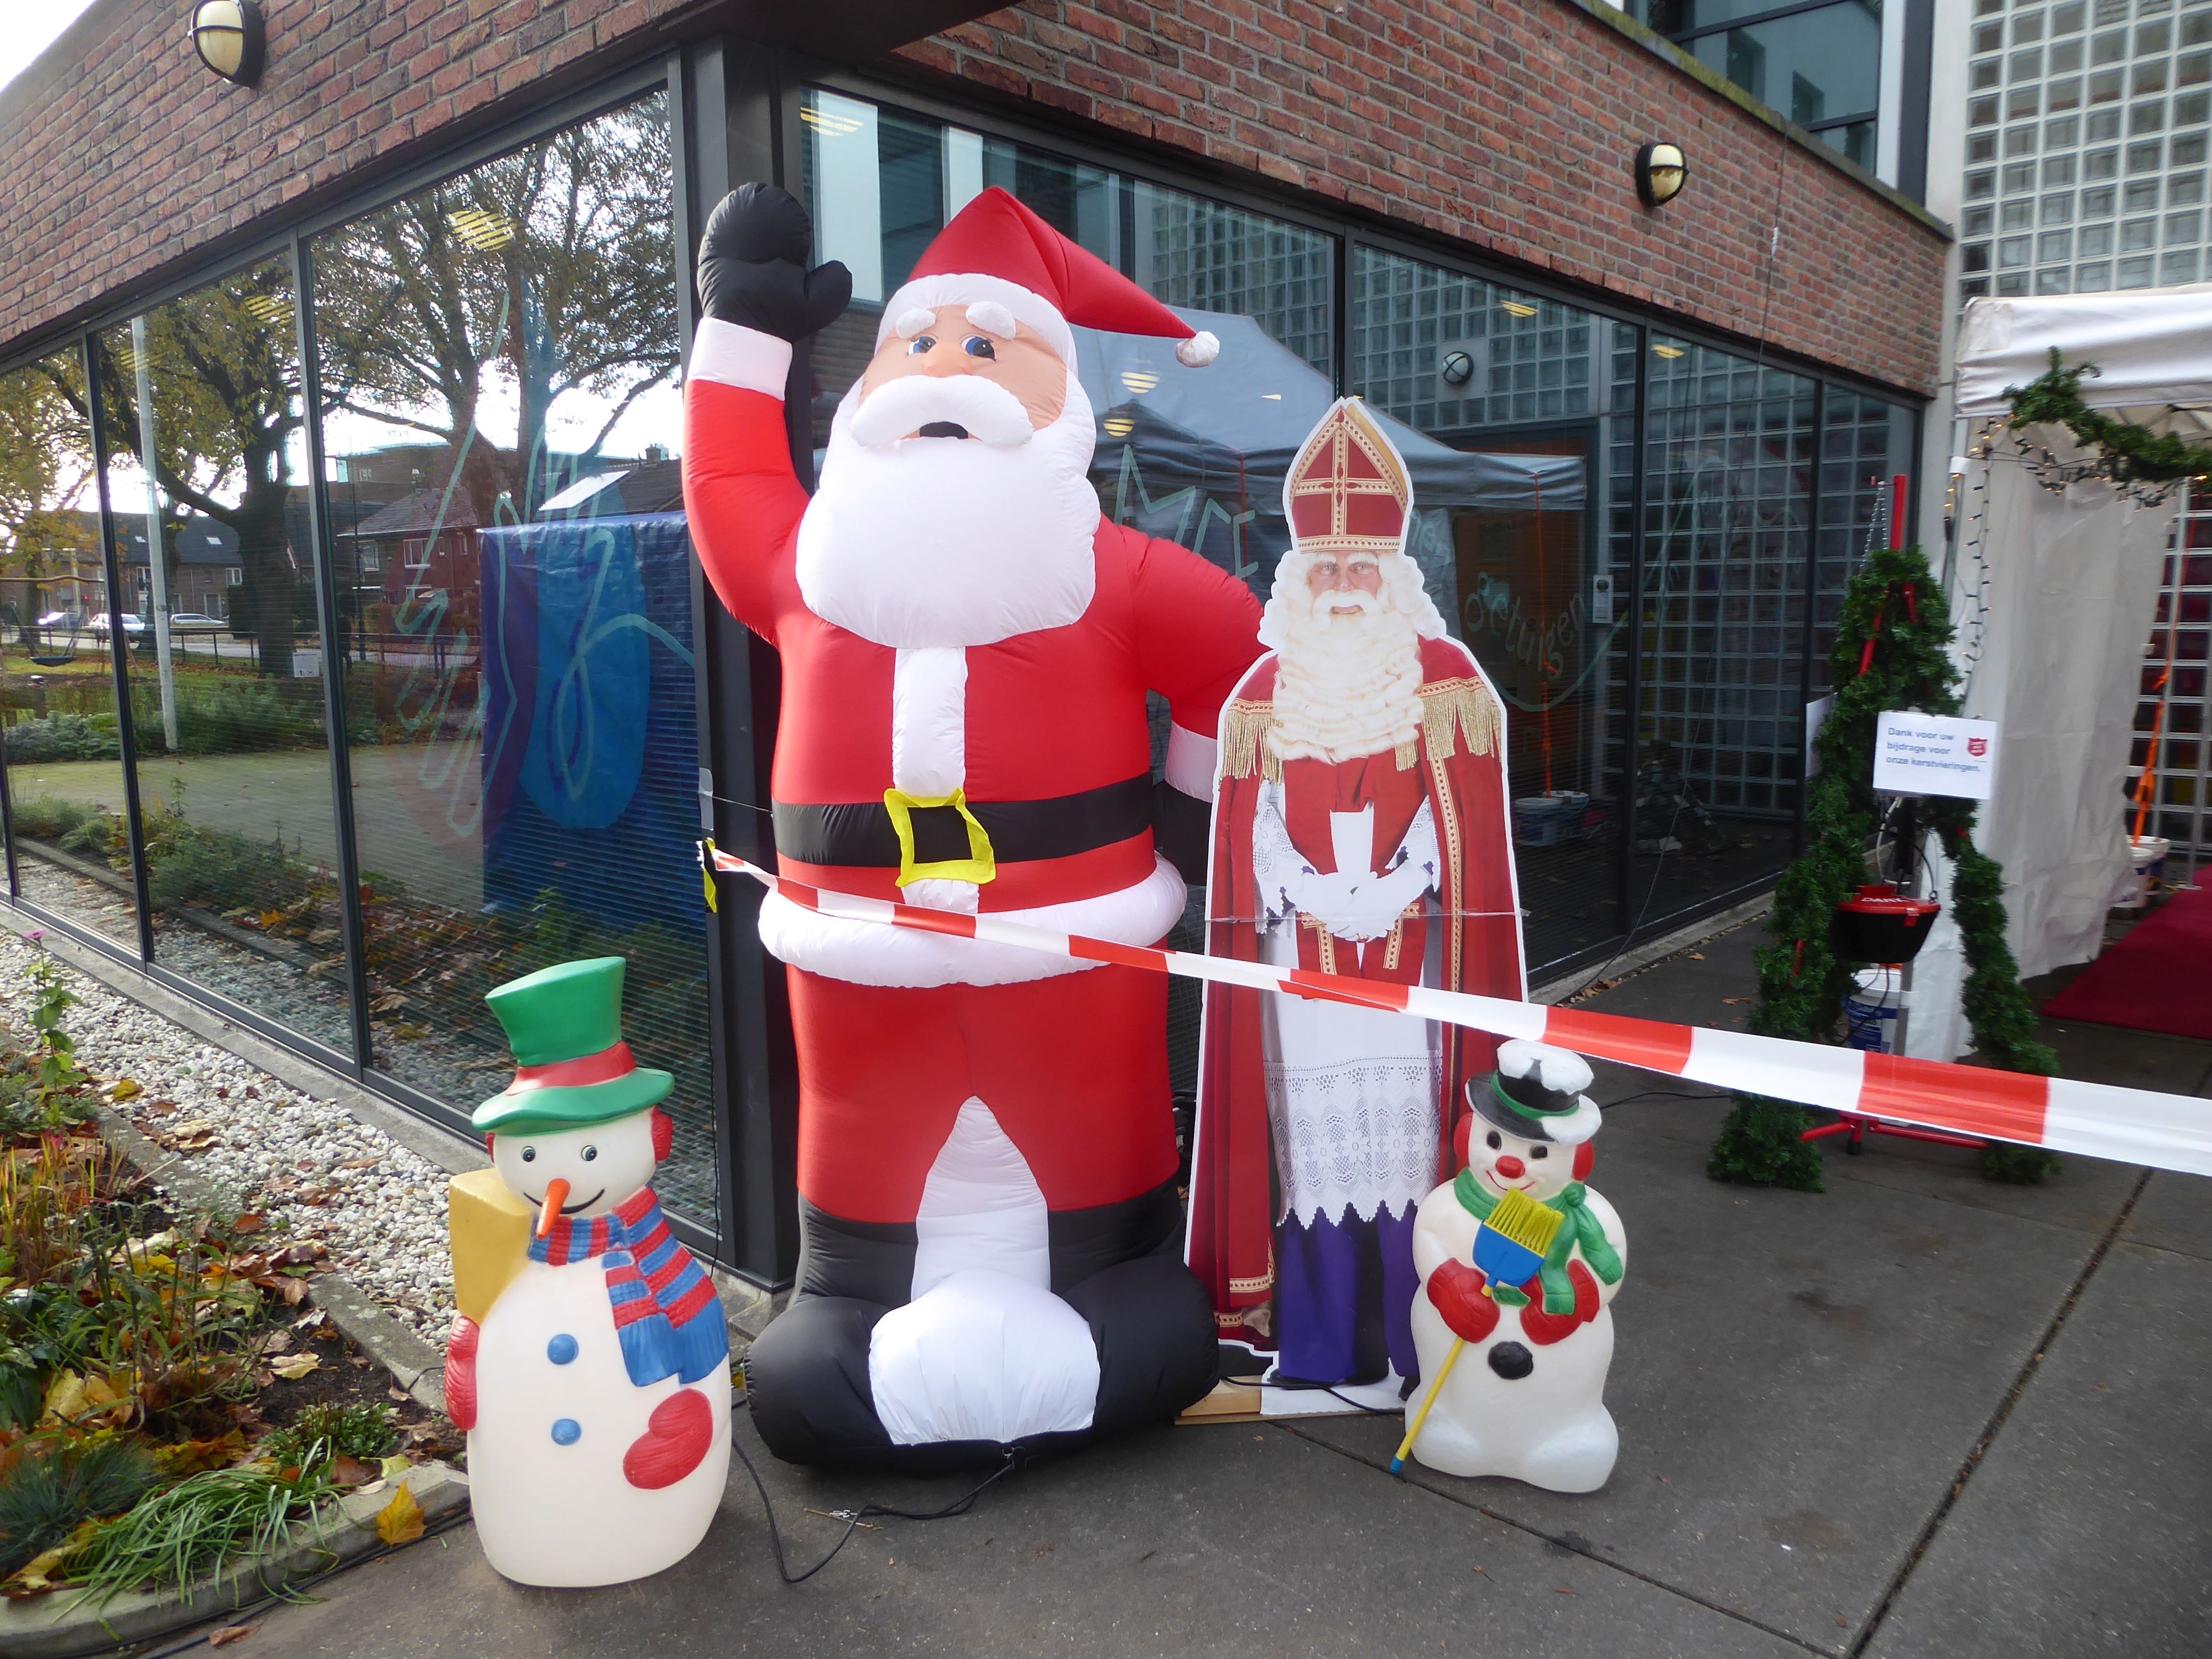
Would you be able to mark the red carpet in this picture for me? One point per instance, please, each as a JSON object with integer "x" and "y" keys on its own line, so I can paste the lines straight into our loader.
{"x": 2159, "y": 978}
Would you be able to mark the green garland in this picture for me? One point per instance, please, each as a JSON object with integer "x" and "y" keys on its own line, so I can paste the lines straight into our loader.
{"x": 1895, "y": 600}
{"x": 2126, "y": 454}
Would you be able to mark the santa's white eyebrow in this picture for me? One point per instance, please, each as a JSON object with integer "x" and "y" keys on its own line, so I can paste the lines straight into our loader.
{"x": 992, "y": 317}
{"x": 914, "y": 320}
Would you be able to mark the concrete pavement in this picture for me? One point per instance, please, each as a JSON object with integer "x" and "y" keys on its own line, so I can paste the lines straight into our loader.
{"x": 1916, "y": 1414}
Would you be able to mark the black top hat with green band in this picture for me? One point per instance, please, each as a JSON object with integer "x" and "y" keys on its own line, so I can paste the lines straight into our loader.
{"x": 564, "y": 1023}
{"x": 1523, "y": 1106}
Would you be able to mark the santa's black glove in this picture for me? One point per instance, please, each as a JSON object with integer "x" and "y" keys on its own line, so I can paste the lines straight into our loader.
{"x": 752, "y": 266}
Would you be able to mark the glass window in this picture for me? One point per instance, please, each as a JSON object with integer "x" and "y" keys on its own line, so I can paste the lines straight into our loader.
{"x": 498, "y": 361}
{"x": 57, "y": 676}
{"x": 206, "y": 448}
{"x": 1522, "y": 552}
{"x": 1729, "y": 456}
{"x": 1817, "y": 65}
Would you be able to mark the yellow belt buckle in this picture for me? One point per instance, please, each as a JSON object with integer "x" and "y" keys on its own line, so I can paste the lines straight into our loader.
{"x": 979, "y": 866}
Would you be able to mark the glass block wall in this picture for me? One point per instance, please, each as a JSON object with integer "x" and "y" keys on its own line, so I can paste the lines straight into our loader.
{"x": 2086, "y": 145}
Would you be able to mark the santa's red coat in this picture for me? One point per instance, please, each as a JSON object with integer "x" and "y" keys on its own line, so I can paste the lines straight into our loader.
{"x": 1076, "y": 1065}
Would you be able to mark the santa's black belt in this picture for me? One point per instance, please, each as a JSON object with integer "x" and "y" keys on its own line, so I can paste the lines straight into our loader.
{"x": 865, "y": 834}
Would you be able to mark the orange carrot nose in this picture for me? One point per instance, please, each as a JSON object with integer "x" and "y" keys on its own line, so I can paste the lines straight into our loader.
{"x": 556, "y": 1195}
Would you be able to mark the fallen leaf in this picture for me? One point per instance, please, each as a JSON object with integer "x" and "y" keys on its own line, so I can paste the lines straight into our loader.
{"x": 1731, "y": 1002}
{"x": 348, "y": 1471}
{"x": 249, "y": 1223}
{"x": 1696, "y": 956}
{"x": 293, "y": 1366}
{"x": 124, "y": 1089}
{"x": 360, "y": 1163}
{"x": 400, "y": 1395}
{"x": 279, "y": 1341}
{"x": 400, "y": 1521}
{"x": 227, "y": 1634}
{"x": 395, "y": 1466}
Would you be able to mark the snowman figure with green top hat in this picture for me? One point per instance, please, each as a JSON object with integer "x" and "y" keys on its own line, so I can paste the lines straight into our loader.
{"x": 1523, "y": 1393}
{"x": 595, "y": 1387}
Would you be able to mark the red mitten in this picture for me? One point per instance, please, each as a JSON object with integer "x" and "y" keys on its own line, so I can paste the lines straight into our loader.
{"x": 1455, "y": 1291}
{"x": 675, "y": 1442}
{"x": 1544, "y": 1329}
{"x": 461, "y": 1373}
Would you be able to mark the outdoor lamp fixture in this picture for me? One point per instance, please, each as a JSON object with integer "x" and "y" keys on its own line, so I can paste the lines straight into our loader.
{"x": 228, "y": 35}
{"x": 1661, "y": 172}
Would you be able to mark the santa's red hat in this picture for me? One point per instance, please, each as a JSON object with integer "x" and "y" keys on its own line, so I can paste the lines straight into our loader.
{"x": 998, "y": 253}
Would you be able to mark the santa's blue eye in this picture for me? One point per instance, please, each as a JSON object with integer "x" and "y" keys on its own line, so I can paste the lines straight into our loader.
{"x": 530, "y": 1155}
{"x": 977, "y": 346}
{"x": 919, "y": 344}
{"x": 591, "y": 1154}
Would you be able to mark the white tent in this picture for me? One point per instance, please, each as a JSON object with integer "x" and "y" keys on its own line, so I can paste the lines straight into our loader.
{"x": 2053, "y": 589}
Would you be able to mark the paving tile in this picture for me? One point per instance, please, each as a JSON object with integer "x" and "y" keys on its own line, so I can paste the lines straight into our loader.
{"x": 1227, "y": 1539}
{"x": 1797, "y": 1380}
{"x": 2087, "y": 1529}
{"x": 2173, "y": 1213}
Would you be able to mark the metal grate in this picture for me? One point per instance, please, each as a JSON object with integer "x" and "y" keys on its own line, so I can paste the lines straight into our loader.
{"x": 2181, "y": 642}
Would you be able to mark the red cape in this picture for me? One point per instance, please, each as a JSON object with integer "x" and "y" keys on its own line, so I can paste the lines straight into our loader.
{"x": 1461, "y": 755}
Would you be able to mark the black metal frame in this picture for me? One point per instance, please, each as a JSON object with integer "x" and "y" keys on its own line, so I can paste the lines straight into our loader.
{"x": 733, "y": 111}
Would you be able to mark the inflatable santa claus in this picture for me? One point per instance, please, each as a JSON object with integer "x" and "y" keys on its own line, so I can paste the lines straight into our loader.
{"x": 987, "y": 1161}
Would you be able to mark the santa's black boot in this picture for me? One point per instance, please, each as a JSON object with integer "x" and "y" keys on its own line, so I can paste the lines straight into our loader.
{"x": 1153, "y": 1325}
{"x": 807, "y": 1377}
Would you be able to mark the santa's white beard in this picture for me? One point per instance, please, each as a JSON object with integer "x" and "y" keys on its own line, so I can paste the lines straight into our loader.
{"x": 1345, "y": 684}
{"x": 940, "y": 542}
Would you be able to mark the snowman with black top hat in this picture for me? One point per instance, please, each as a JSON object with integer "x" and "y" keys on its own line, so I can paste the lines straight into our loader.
{"x": 1524, "y": 1396}
{"x": 590, "y": 1363}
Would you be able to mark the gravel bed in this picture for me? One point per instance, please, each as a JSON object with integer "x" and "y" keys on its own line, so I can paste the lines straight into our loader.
{"x": 312, "y": 1167}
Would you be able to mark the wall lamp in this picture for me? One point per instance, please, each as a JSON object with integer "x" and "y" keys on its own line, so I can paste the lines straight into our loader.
{"x": 1661, "y": 172}
{"x": 228, "y": 35}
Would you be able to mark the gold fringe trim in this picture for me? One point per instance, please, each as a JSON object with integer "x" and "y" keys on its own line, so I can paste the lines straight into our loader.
{"x": 1457, "y": 707}
{"x": 1243, "y": 741}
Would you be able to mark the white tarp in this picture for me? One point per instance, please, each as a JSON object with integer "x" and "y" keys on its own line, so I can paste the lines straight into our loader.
{"x": 2152, "y": 347}
{"x": 2053, "y": 595}
{"x": 2052, "y": 606}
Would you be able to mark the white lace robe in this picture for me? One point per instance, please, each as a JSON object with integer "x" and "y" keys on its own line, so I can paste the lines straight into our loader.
{"x": 1351, "y": 1092}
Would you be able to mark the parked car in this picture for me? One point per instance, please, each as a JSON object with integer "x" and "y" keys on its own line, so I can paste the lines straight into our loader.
{"x": 193, "y": 619}
{"x": 132, "y": 623}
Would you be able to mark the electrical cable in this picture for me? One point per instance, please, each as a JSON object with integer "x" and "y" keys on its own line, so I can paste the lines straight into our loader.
{"x": 853, "y": 1518}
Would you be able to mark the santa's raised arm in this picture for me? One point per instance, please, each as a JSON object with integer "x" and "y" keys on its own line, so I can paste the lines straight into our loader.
{"x": 987, "y": 1161}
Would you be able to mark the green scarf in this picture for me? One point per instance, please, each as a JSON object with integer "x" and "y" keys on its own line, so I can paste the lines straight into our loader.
{"x": 1579, "y": 1227}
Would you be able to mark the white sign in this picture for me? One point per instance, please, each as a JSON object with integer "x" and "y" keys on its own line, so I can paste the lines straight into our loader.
{"x": 1934, "y": 755}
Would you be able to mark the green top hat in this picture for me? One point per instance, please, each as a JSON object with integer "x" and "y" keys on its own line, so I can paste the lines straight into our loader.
{"x": 564, "y": 1023}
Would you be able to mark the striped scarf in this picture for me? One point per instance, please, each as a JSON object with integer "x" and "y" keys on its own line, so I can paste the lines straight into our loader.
{"x": 666, "y": 1314}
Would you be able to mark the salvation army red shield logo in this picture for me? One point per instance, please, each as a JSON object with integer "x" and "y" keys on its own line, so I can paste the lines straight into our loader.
{"x": 1978, "y": 747}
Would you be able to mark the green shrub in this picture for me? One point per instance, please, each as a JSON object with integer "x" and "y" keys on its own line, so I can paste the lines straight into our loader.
{"x": 189, "y": 863}
{"x": 364, "y": 1430}
{"x": 230, "y": 714}
{"x": 47, "y": 817}
{"x": 198, "y": 1527}
{"x": 61, "y": 738}
{"x": 48, "y": 1494}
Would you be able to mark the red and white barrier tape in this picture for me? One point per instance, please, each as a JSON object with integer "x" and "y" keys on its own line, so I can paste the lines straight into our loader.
{"x": 2096, "y": 1120}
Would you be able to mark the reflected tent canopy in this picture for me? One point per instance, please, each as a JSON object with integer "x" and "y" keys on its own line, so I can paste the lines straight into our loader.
{"x": 1257, "y": 403}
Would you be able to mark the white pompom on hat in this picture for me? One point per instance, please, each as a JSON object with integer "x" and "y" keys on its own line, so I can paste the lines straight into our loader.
{"x": 1536, "y": 1093}
{"x": 996, "y": 251}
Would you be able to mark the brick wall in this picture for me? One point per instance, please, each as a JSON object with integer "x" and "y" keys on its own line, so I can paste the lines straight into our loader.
{"x": 1509, "y": 126}
{"x": 126, "y": 154}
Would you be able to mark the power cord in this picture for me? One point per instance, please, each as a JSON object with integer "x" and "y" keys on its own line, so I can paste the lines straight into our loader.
{"x": 853, "y": 1518}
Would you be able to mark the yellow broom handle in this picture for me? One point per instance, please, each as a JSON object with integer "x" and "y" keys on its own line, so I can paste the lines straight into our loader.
{"x": 1420, "y": 1418}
